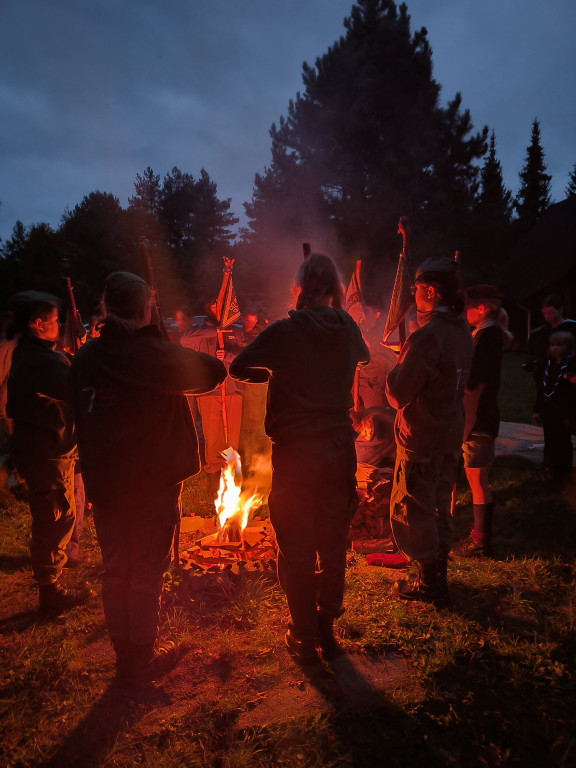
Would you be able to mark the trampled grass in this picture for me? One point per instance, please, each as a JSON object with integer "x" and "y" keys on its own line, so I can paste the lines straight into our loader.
{"x": 487, "y": 681}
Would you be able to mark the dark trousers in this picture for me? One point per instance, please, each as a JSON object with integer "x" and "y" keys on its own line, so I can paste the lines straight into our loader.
{"x": 420, "y": 505}
{"x": 135, "y": 537}
{"x": 312, "y": 502}
{"x": 50, "y": 484}
{"x": 558, "y": 451}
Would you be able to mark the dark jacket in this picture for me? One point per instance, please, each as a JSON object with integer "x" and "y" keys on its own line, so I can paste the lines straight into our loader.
{"x": 481, "y": 398}
{"x": 427, "y": 386}
{"x": 135, "y": 432}
{"x": 310, "y": 358}
{"x": 37, "y": 402}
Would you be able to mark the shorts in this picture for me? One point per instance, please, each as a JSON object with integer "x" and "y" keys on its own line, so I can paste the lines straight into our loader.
{"x": 478, "y": 451}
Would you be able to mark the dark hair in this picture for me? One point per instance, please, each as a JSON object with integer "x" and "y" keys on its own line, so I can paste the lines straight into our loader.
{"x": 318, "y": 276}
{"x": 553, "y": 301}
{"x": 29, "y": 306}
{"x": 126, "y": 299}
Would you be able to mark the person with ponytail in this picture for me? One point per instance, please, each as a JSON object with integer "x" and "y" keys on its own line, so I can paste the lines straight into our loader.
{"x": 309, "y": 360}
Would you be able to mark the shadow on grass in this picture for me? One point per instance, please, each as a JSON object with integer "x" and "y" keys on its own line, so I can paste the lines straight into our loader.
{"x": 93, "y": 740}
{"x": 12, "y": 563}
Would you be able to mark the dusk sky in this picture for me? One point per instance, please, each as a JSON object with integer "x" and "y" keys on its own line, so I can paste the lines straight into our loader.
{"x": 94, "y": 92}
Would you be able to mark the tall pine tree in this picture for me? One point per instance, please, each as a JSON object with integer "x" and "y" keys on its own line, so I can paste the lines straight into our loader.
{"x": 367, "y": 141}
{"x": 533, "y": 198}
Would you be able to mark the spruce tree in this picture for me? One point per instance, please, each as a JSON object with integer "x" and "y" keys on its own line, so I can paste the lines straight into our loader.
{"x": 494, "y": 200}
{"x": 533, "y": 198}
{"x": 367, "y": 141}
{"x": 571, "y": 187}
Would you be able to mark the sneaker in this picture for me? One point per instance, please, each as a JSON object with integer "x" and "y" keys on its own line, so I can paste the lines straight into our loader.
{"x": 152, "y": 661}
{"x": 54, "y": 599}
{"x": 471, "y": 547}
{"x": 302, "y": 651}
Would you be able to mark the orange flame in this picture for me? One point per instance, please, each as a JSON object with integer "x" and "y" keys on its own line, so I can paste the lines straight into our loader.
{"x": 233, "y": 507}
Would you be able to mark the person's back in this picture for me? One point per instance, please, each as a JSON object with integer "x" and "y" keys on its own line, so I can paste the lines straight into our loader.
{"x": 312, "y": 356}
{"x": 134, "y": 426}
{"x": 137, "y": 444}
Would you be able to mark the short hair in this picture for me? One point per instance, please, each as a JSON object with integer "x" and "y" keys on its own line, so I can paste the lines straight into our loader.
{"x": 318, "y": 276}
{"x": 554, "y": 300}
{"x": 126, "y": 295}
{"x": 29, "y": 306}
{"x": 565, "y": 338}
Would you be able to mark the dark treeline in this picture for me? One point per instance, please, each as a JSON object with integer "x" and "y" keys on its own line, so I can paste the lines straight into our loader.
{"x": 365, "y": 142}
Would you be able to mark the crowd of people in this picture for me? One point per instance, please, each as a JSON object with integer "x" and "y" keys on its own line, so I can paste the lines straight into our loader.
{"x": 116, "y": 420}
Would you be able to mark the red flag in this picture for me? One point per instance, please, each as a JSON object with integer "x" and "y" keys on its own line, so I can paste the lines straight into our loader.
{"x": 401, "y": 300}
{"x": 354, "y": 296}
{"x": 227, "y": 309}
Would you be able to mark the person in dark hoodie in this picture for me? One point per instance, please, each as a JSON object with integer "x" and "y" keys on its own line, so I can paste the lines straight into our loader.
{"x": 427, "y": 388}
{"x": 43, "y": 443}
{"x": 137, "y": 443}
{"x": 309, "y": 359}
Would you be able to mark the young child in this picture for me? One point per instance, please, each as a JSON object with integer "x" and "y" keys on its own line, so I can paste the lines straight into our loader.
{"x": 556, "y": 405}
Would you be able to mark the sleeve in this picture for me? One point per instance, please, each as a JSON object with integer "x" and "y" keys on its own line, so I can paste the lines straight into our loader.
{"x": 486, "y": 360}
{"x": 416, "y": 366}
{"x": 173, "y": 369}
{"x": 254, "y": 363}
{"x": 52, "y": 378}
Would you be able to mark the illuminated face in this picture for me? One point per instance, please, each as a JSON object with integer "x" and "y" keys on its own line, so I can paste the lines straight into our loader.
{"x": 47, "y": 328}
{"x": 474, "y": 315}
{"x": 425, "y": 297}
{"x": 552, "y": 315}
{"x": 182, "y": 320}
{"x": 250, "y": 321}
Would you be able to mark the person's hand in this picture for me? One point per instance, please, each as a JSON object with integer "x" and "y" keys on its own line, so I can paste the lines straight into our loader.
{"x": 220, "y": 354}
{"x": 571, "y": 377}
{"x": 537, "y": 419}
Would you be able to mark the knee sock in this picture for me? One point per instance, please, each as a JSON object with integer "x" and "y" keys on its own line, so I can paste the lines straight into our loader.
{"x": 482, "y": 529}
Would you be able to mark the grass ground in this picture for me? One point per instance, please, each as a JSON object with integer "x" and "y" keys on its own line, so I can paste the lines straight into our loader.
{"x": 488, "y": 681}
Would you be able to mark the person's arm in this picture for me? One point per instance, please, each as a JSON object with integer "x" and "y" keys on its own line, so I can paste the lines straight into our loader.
{"x": 254, "y": 363}
{"x": 417, "y": 365}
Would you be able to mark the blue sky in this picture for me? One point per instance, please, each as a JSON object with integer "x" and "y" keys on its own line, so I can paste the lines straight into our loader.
{"x": 93, "y": 92}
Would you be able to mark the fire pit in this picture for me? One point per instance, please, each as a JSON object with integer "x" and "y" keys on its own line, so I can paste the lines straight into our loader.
{"x": 236, "y": 544}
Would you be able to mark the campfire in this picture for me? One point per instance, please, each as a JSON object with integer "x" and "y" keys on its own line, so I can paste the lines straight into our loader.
{"x": 238, "y": 542}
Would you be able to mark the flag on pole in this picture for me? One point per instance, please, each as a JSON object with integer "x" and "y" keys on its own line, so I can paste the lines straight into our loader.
{"x": 227, "y": 309}
{"x": 401, "y": 300}
{"x": 354, "y": 305}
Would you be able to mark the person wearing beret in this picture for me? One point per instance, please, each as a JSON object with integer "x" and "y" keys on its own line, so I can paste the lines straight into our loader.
{"x": 427, "y": 388}
{"x": 483, "y": 303}
{"x": 43, "y": 444}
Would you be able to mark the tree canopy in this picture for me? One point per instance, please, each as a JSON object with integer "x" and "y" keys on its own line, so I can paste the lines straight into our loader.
{"x": 368, "y": 141}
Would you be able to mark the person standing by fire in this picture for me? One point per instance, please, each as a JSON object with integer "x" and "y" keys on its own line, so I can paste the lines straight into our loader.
{"x": 309, "y": 359}
{"x": 43, "y": 444}
{"x": 427, "y": 387}
{"x": 137, "y": 443}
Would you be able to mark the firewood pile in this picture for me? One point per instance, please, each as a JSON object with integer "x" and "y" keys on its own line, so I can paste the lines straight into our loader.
{"x": 229, "y": 549}
{"x": 370, "y": 529}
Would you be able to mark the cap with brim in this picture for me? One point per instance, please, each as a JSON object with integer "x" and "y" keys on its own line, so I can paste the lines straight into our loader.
{"x": 35, "y": 297}
{"x": 437, "y": 265}
{"x": 117, "y": 280}
{"x": 479, "y": 292}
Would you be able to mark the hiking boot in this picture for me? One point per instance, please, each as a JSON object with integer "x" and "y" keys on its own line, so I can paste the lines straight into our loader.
{"x": 329, "y": 645}
{"x": 152, "y": 661}
{"x": 54, "y": 599}
{"x": 472, "y": 547}
{"x": 302, "y": 651}
{"x": 425, "y": 585}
